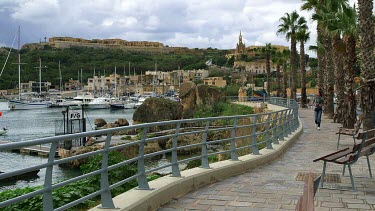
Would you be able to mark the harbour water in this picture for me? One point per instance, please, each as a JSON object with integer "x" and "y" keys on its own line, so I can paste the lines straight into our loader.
{"x": 25, "y": 125}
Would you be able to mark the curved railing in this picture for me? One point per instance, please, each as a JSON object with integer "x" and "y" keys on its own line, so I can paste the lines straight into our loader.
{"x": 240, "y": 135}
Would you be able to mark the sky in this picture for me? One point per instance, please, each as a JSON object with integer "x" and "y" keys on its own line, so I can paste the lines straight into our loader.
{"x": 177, "y": 23}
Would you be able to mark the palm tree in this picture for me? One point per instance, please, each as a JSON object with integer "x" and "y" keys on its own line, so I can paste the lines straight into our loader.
{"x": 267, "y": 51}
{"x": 366, "y": 32}
{"x": 285, "y": 55}
{"x": 324, "y": 15}
{"x": 302, "y": 36}
{"x": 330, "y": 15}
{"x": 278, "y": 60}
{"x": 290, "y": 24}
{"x": 348, "y": 25}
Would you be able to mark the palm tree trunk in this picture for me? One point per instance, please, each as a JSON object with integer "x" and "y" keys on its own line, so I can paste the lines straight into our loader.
{"x": 268, "y": 68}
{"x": 366, "y": 26}
{"x": 321, "y": 59}
{"x": 328, "y": 80}
{"x": 349, "y": 97}
{"x": 303, "y": 71}
{"x": 278, "y": 90}
{"x": 285, "y": 80}
{"x": 338, "y": 55}
{"x": 293, "y": 64}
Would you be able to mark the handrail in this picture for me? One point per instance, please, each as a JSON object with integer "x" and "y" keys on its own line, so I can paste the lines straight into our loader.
{"x": 257, "y": 129}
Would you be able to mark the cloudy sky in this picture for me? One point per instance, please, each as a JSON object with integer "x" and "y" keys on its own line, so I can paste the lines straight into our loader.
{"x": 189, "y": 23}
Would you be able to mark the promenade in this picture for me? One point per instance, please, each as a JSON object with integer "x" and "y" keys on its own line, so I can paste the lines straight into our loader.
{"x": 276, "y": 186}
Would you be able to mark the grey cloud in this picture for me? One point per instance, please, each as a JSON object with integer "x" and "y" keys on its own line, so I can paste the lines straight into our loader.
{"x": 195, "y": 23}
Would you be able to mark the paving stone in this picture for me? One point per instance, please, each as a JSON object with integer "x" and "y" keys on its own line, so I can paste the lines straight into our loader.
{"x": 213, "y": 202}
{"x": 252, "y": 199}
{"x": 332, "y": 205}
{"x": 222, "y": 208}
{"x": 170, "y": 209}
{"x": 359, "y": 206}
{"x": 262, "y": 205}
{"x": 327, "y": 199}
{"x": 240, "y": 204}
{"x": 222, "y": 198}
{"x": 353, "y": 201}
{"x": 198, "y": 207}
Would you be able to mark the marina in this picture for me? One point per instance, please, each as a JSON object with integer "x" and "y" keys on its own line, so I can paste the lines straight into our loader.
{"x": 23, "y": 125}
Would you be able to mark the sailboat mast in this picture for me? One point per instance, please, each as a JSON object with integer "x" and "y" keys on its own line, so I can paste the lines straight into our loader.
{"x": 40, "y": 76}
{"x": 94, "y": 81}
{"x": 19, "y": 63}
{"x": 115, "y": 83}
{"x": 60, "y": 78}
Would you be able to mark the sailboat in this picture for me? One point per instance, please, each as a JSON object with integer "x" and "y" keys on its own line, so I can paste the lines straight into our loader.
{"x": 33, "y": 103}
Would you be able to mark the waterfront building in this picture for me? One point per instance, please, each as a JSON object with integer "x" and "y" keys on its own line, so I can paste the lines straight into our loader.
{"x": 215, "y": 81}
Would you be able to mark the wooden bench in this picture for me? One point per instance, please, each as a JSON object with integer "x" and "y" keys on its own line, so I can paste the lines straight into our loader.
{"x": 350, "y": 155}
{"x": 306, "y": 201}
{"x": 350, "y": 132}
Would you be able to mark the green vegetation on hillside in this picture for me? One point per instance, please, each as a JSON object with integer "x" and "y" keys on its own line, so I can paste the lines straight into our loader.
{"x": 104, "y": 60}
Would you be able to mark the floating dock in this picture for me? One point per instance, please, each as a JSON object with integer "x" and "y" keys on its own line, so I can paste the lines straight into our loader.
{"x": 38, "y": 150}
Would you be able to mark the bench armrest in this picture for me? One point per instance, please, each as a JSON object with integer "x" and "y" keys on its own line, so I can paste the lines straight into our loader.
{"x": 334, "y": 153}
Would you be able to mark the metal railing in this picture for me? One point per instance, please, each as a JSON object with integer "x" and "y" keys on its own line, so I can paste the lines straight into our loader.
{"x": 239, "y": 135}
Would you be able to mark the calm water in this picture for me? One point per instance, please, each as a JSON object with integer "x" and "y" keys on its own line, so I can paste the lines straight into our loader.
{"x": 31, "y": 124}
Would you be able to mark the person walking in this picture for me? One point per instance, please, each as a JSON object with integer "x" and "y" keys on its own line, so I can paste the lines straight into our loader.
{"x": 318, "y": 102}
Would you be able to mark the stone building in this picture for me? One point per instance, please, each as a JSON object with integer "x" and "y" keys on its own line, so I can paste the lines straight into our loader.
{"x": 215, "y": 81}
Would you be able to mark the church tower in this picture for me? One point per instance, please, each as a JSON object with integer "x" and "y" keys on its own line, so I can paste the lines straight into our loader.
{"x": 240, "y": 45}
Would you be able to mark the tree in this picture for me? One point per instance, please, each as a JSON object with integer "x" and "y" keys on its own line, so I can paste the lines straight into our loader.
{"x": 285, "y": 55}
{"x": 302, "y": 37}
{"x": 290, "y": 24}
{"x": 267, "y": 51}
{"x": 366, "y": 32}
{"x": 278, "y": 60}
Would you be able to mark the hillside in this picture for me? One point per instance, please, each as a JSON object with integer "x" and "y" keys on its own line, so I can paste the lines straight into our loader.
{"x": 74, "y": 58}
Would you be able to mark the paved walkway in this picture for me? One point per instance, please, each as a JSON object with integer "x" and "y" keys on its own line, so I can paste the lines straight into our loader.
{"x": 274, "y": 186}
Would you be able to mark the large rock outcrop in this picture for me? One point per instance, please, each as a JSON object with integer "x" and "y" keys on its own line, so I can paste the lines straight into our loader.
{"x": 188, "y": 98}
{"x": 193, "y": 96}
{"x": 156, "y": 110}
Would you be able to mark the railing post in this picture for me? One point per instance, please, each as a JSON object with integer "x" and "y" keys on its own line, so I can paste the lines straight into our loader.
{"x": 289, "y": 122}
{"x": 106, "y": 196}
{"x": 142, "y": 179}
{"x": 254, "y": 146}
{"x": 175, "y": 168}
{"x": 204, "y": 147}
{"x": 47, "y": 195}
{"x": 268, "y": 142}
{"x": 280, "y": 129}
{"x": 285, "y": 123}
{"x": 296, "y": 117}
{"x": 275, "y": 129}
{"x": 233, "y": 152}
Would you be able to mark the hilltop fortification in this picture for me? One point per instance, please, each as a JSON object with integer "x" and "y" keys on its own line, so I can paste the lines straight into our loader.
{"x": 138, "y": 46}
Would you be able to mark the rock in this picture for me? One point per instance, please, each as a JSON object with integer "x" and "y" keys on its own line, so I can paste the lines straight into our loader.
{"x": 100, "y": 122}
{"x": 156, "y": 110}
{"x": 110, "y": 125}
{"x": 122, "y": 122}
{"x": 193, "y": 96}
{"x": 207, "y": 95}
{"x": 188, "y": 99}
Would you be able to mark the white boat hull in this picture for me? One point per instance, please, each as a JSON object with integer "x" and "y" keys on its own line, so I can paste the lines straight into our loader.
{"x": 129, "y": 105}
{"x": 97, "y": 106}
{"x": 21, "y": 105}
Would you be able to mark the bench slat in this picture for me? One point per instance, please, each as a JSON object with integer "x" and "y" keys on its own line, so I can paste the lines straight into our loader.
{"x": 322, "y": 158}
{"x": 306, "y": 201}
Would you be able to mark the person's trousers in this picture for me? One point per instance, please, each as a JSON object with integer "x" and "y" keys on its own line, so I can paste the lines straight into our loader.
{"x": 318, "y": 116}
